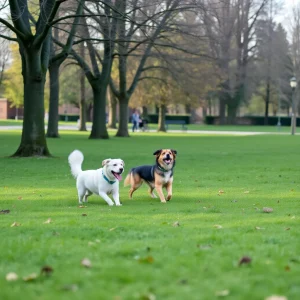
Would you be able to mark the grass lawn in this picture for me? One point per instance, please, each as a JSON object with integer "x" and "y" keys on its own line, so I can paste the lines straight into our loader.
{"x": 221, "y": 185}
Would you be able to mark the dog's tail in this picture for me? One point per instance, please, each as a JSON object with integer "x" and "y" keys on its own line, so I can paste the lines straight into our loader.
{"x": 75, "y": 161}
{"x": 127, "y": 180}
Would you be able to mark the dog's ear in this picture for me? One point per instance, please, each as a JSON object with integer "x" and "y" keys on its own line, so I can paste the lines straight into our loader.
{"x": 105, "y": 161}
{"x": 123, "y": 162}
{"x": 174, "y": 151}
{"x": 157, "y": 152}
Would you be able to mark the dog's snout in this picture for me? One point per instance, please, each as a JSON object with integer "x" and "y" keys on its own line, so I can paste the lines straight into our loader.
{"x": 121, "y": 169}
{"x": 168, "y": 156}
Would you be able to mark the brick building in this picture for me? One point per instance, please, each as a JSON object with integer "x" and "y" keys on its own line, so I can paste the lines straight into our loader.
{"x": 9, "y": 112}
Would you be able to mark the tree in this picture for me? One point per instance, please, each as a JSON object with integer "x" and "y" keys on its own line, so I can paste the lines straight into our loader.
{"x": 145, "y": 31}
{"x": 99, "y": 78}
{"x": 57, "y": 57}
{"x": 34, "y": 50}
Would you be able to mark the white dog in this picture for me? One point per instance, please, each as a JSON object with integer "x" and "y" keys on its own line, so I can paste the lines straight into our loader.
{"x": 100, "y": 182}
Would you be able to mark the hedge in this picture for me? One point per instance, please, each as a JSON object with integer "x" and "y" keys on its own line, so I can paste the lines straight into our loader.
{"x": 253, "y": 120}
{"x": 153, "y": 118}
{"x": 70, "y": 118}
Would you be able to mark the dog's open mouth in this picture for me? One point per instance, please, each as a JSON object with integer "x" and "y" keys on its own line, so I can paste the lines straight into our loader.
{"x": 117, "y": 175}
{"x": 167, "y": 160}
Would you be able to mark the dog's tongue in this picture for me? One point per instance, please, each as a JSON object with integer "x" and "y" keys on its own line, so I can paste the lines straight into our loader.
{"x": 118, "y": 176}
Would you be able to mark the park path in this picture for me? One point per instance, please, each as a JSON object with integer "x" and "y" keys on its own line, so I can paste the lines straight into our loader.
{"x": 209, "y": 132}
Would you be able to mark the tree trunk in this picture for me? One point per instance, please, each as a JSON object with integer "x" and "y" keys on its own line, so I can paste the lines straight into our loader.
{"x": 161, "y": 118}
{"x": 145, "y": 113}
{"x": 123, "y": 118}
{"x": 99, "y": 130}
{"x": 222, "y": 110}
{"x": 89, "y": 112}
{"x": 267, "y": 103}
{"x": 231, "y": 114}
{"x": 82, "y": 103}
{"x": 33, "y": 141}
{"x": 112, "y": 110}
{"x": 52, "y": 129}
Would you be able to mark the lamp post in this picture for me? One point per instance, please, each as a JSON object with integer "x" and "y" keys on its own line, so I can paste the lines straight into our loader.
{"x": 293, "y": 83}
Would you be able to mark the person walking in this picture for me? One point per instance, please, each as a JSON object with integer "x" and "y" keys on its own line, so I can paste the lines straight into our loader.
{"x": 135, "y": 120}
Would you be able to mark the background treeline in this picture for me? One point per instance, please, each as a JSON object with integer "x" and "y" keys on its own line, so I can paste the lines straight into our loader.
{"x": 229, "y": 57}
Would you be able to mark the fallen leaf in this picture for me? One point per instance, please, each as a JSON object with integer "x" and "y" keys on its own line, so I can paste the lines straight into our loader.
{"x": 276, "y": 297}
{"x": 4, "y": 211}
{"x": 70, "y": 287}
{"x": 86, "y": 263}
{"x": 176, "y": 224}
{"x": 204, "y": 247}
{"x": 82, "y": 206}
{"x": 48, "y": 221}
{"x": 246, "y": 192}
{"x": 11, "y": 276}
{"x": 288, "y": 228}
{"x": 221, "y": 192}
{"x": 287, "y": 268}
{"x": 55, "y": 233}
{"x": 183, "y": 281}
{"x": 148, "y": 296}
{"x": 46, "y": 270}
{"x": 223, "y": 293}
{"x": 218, "y": 226}
{"x": 267, "y": 209}
{"x": 146, "y": 260}
{"x": 15, "y": 224}
{"x": 111, "y": 229}
{"x": 84, "y": 215}
{"x": 258, "y": 228}
{"x": 30, "y": 277}
{"x": 20, "y": 198}
{"x": 245, "y": 260}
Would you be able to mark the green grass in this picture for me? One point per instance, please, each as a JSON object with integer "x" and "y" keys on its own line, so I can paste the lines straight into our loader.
{"x": 135, "y": 251}
{"x": 179, "y": 127}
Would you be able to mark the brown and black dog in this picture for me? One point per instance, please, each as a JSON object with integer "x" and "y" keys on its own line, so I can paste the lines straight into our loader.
{"x": 156, "y": 176}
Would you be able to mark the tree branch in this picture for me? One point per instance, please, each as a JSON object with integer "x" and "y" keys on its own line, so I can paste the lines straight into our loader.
{"x": 12, "y": 28}
{"x": 46, "y": 26}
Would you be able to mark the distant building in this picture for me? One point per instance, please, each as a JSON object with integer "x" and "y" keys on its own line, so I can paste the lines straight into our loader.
{"x": 7, "y": 111}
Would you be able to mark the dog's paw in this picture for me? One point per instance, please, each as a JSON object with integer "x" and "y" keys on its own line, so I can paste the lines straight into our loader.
{"x": 169, "y": 197}
{"x": 119, "y": 204}
{"x": 164, "y": 201}
{"x": 153, "y": 196}
{"x": 111, "y": 204}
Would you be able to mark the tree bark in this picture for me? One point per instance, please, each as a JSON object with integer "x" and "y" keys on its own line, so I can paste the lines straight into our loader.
{"x": 33, "y": 141}
{"x": 99, "y": 130}
{"x": 123, "y": 118}
{"x": 266, "y": 121}
{"x": 161, "y": 118}
{"x": 82, "y": 103}
{"x": 112, "y": 110}
{"x": 52, "y": 129}
{"x": 232, "y": 112}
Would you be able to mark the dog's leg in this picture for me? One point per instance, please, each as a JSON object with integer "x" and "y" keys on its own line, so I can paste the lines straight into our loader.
{"x": 106, "y": 198}
{"x": 136, "y": 182}
{"x": 115, "y": 195}
{"x": 169, "y": 189}
{"x": 160, "y": 193}
{"x": 80, "y": 198}
{"x": 151, "y": 192}
{"x": 87, "y": 193}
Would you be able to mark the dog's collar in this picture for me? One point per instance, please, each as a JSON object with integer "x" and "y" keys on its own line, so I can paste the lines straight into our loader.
{"x": 162, "y": 169}
{"x": 109, "y": 181}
